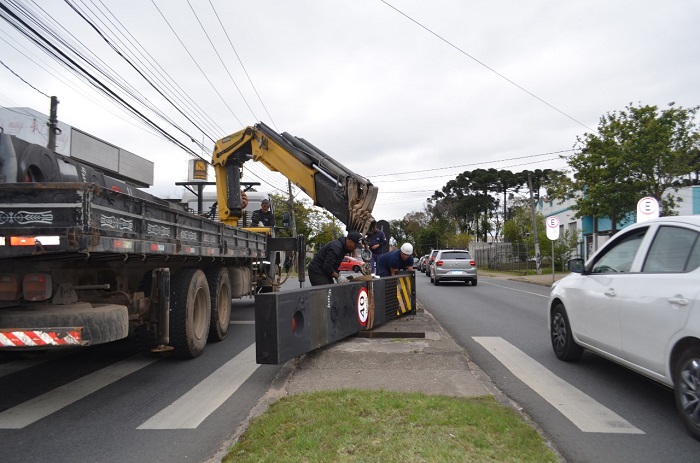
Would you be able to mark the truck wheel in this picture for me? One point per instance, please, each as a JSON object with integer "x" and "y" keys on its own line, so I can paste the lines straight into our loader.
{"x": 190, "y": 312}
{"x": 101, "y": 323}
{"x": 220, "y": 294}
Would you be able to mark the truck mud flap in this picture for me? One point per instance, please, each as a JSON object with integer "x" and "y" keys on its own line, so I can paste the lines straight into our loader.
{"x": 291, "y": 323}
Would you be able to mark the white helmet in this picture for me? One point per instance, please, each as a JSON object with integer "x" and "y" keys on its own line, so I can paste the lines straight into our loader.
{"x": 407, "y": 249}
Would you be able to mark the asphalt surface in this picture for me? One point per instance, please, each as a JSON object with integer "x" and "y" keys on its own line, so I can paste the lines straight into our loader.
{"x": 413, "y": 353}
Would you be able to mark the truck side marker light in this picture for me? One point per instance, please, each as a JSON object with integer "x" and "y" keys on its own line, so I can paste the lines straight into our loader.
{"x": 123, "y": 244}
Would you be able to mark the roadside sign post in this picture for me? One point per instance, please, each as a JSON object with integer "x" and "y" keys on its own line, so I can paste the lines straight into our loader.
{"x": 553, "y": 234}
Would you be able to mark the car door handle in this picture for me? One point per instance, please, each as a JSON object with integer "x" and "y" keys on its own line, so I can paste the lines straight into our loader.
{"x": 611, "y": 292}
{"x": 678, "y": 300}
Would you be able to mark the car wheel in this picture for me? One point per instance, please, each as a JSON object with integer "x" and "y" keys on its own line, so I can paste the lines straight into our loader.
{"x": 356, "y": 268}
{"x": 563, "y": 342}
{"x": 686, "y": 388}
{"x": 474, "y": 282}
{"x": 436, "y": 281}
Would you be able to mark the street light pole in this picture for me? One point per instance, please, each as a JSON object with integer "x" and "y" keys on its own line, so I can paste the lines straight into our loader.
{"x": 534, "y": 224}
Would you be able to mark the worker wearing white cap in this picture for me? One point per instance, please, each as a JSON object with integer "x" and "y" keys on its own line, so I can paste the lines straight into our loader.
{"x": 400, "y": 259}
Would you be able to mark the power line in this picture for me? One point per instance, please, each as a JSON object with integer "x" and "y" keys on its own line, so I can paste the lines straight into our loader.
{"x": 476, "y": 163}
{"x": 151, "y": 65}
{"x": 41, "y": 41}
{"x": 121, "y": 55}
{"x": 484, "y": 65}
{"x": 242, "y": 66}
{"x": 220, "y": 59}
{"x": 196, "y": 63}
{"x": 46, "y": 67}
{"x": 450, "y": 175}
{"x": 22, "y": 79}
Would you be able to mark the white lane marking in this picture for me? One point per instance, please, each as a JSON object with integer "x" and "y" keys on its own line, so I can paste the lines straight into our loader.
{"x": 242, "y": 322}
{"x": 513, "y": 289}
{"x": 584, "y": 412}
{"x": 198, "y": 403}
{"x": 44, "y": 405}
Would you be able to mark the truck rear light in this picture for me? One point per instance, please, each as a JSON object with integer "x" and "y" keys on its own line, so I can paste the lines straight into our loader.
{"x": 22, "y": 241}
{"x": 36, "y": 287}
{"x": 9, "y": 287}
{"x": 439, "y": 263}
{"x": 34, "y": 240}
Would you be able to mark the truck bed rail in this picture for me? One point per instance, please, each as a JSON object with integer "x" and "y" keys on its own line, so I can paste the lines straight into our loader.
{"x": 64, "y": 220}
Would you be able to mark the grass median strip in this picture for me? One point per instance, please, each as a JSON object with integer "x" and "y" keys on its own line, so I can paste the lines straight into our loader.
{"x": 367, "y": 426}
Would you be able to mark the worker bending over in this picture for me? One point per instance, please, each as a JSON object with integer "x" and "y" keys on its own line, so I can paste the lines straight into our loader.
{"x": 325, "y": 265}
{"x": 391, "y": 262}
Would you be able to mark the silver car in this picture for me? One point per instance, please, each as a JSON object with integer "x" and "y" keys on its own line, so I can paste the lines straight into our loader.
{"x": 453, "y": 265}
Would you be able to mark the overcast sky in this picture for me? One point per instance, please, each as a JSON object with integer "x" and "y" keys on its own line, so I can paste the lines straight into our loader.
{"x": 406, "y": 93}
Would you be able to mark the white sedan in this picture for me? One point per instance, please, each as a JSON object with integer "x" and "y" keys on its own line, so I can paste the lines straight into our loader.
{"x": 637, "y": 302}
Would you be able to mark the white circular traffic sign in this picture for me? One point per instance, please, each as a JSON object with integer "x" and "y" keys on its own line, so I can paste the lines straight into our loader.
{"x": 553, "y": 221}
{"x": 552, "y": 227}
{"x": 362, "y": 306}
{"x": 647, "y": 209}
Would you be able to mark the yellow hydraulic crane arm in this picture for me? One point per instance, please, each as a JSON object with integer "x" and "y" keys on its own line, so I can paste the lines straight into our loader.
{"x": 332, "y": 186}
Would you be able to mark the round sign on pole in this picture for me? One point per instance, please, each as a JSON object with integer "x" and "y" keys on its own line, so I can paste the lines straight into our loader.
{"x": 552, "y": 227}
{"x": 647, "y": 209}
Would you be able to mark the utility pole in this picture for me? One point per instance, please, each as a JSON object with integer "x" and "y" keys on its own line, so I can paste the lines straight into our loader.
{"x": 291, "y": 209}
{"x": 534, "y": 224}
{"x": 53, "y": 124}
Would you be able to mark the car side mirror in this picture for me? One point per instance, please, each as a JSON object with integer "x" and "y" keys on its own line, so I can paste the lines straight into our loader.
{"x": 576, "y": 265}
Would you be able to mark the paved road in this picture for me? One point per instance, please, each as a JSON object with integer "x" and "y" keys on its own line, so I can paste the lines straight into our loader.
{"x": 111, "y": 404}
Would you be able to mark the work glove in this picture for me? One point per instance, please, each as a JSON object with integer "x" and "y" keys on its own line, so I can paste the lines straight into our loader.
{"x": 260, "y": 224}
{"x": 341, "y": 279}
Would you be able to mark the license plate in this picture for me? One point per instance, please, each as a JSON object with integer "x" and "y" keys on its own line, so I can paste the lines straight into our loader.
{"x": 456, "y": 272}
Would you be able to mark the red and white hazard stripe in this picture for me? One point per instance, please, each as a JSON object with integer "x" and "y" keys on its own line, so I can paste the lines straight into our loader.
{"x": 39, "y": 338}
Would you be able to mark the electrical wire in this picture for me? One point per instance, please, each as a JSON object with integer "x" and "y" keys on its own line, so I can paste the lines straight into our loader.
{"x": 149, "y": 65}
{"x": 196, "y": 63}
{"x": 52, "y": 49}
{"x": 242, "y": 66}
{"x": 452, "y": 175}
{"x": 484, "y": 64}
{"x": 206, "y": 34}
{"x": 475, "y": 163}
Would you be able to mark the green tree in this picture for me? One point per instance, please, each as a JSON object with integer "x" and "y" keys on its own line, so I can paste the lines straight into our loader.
{"x": 641, "y": 151}
{"x": 317, "y": 225}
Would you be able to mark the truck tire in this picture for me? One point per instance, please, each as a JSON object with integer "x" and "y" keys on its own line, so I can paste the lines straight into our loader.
{"x": 190, "y": 312}
{"x": 220, "y": 295}
{"x": 101, "y": 323}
